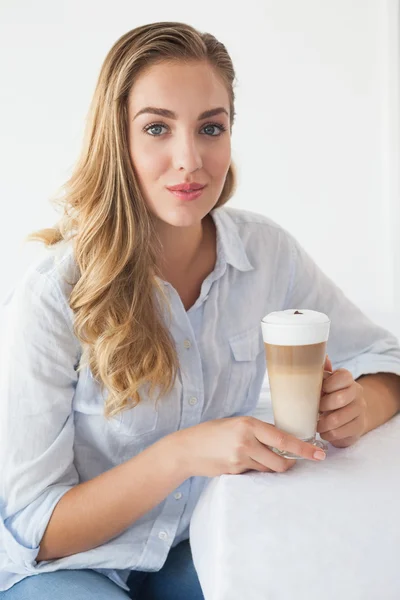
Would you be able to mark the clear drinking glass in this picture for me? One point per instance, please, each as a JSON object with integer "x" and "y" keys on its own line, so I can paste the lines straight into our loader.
{"x": 295, "y": 345}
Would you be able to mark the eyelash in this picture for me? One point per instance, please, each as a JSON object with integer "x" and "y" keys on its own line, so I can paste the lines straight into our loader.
{"x": 221, "y": 127}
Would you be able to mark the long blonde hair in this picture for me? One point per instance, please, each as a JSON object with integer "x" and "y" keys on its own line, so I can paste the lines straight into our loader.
{"x": 118, "y": 304}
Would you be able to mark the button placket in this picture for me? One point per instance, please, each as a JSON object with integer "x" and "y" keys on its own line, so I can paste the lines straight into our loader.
{"x": 191, "y": 375}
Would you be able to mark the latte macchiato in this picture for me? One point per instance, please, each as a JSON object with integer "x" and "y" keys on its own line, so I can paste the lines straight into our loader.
{"x": 295, "y": 345}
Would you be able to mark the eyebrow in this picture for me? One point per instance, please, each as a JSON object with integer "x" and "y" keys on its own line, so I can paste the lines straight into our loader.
{"x": 169, "y": 114}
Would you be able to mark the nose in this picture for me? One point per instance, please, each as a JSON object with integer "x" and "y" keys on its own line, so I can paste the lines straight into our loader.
{"x": 186, "y": 154}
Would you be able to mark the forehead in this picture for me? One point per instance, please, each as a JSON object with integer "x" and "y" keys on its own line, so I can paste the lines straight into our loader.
{"x": 174, "y": 85}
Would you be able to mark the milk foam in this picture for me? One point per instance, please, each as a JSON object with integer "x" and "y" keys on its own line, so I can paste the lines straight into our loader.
{"x": 286, "y": 328}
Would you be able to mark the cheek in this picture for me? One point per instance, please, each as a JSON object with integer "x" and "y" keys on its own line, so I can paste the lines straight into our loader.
{"x": 217, "y": 162}
{"x": 147, "y": 158}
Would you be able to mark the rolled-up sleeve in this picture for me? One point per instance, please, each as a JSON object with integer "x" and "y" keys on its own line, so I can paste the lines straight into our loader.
{"x": 38, "y": 377}
{"x": 355, "y": 342}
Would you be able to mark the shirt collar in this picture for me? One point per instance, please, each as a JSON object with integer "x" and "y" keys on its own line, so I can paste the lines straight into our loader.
{"x": 230, "y": 246}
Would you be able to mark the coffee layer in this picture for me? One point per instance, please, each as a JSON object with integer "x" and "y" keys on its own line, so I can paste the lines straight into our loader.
{"x": 295, "y": 375}
{"x": 290, "y": 357}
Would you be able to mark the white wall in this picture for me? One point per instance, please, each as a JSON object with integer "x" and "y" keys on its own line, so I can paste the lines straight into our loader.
{"x": 325, "y": 138}
{"x": 316, "y": 139}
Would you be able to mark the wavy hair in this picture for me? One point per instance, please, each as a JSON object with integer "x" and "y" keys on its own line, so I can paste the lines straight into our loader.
{"x": 118, "y": 300}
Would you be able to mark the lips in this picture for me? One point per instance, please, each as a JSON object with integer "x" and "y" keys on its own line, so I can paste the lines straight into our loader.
{"x": 189, "y": 195}
{"x": 186, "y": 187}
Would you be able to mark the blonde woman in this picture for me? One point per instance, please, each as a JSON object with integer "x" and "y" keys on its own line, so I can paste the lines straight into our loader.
{"x": 132, "y": 354}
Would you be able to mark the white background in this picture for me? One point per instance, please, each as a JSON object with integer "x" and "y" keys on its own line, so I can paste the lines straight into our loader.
{"x": 316, "y": 139}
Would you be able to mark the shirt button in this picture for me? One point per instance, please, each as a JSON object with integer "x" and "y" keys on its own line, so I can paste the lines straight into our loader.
{"x": 192, "y": 401}
{"x": 163, "y": 535}
{"x": 177, "y": 496}
{"x": 187, "y": 344}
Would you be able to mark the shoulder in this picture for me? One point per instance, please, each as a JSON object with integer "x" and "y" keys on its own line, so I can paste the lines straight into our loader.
{"x": 243, "y": 218}
{"x": 256, "y": 230}
{"x": 46, "y": 285}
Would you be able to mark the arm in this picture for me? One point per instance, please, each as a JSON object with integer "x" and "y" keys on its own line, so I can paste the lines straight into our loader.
{"x": 95, "y": 511}
{"x": 355, "y": 342}
{"x": 382, "y": 397}
{"x": 363, "y": 391}
{"x": 37, "y": 382}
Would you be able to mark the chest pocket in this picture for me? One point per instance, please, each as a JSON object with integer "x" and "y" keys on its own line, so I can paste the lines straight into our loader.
{"x": 245, "y": 348}
{"x": 129, "y": 423}
{"x": 139, "y": 420}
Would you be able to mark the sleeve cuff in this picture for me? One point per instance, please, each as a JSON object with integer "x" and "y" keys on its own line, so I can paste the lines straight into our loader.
{"x": 20, "y": 535}
{"x": 22, "y": 557}
{"x": 370, "y": 365}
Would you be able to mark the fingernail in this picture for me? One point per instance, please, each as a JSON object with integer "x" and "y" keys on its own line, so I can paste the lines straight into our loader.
{"x": 319, "y": 455}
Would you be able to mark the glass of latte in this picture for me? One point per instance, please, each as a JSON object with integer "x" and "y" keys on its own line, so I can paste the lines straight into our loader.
{"x": 295, "y": 346}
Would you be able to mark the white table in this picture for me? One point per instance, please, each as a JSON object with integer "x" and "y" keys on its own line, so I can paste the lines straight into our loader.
{"x": 328, "y": 530}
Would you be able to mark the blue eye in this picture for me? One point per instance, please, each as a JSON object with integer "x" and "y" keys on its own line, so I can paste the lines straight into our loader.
{"x": 153, "y": 126}
{"x": 157, "y": 126}
{"x": 221, "y": 128}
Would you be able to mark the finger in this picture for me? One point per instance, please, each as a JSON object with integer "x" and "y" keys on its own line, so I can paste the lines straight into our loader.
{"x": 338, "y": 418}
{"x": 346, "y": 442}
{"x": 265, "y": 456}
{"x": 338, "y": 380}
{"x": 349, "y": 430}
{"x": 328, "y": 364}
{"x": 271, "y": 436}
{"x": 326, "y": 375}
{"x": 254, "y": 465}
{"x": 338, "y": 399}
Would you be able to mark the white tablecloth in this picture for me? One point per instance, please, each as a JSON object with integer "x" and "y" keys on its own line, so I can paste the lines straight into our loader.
{"x": 328, "y": 530}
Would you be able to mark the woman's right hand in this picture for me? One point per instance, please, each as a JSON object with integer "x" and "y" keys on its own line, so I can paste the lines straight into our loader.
{"x": 235, "y": 445}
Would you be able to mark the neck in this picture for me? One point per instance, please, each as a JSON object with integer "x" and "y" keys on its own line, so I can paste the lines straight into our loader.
{"x": 182, "y": 247}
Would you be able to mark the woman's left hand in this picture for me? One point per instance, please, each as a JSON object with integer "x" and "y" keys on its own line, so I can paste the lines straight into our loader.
{"x": 343, "y": 408}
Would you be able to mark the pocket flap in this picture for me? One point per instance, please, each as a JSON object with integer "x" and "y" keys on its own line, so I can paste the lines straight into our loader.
{"x": 247, "y": 345}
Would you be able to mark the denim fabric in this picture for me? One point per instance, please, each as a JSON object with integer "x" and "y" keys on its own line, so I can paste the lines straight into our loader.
{"x": 177, "y": 580}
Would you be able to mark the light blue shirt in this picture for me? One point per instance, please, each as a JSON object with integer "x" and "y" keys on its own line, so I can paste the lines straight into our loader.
{"x": 54, "y": 435}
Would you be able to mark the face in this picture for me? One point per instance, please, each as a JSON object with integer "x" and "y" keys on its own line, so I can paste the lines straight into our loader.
{"x": 183, "y": 146}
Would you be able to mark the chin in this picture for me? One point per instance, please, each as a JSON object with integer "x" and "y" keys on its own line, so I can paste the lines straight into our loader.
{"x": 183, "y": 218}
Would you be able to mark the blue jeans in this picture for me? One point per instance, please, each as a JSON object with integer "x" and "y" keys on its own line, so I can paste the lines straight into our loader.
{"x": 177, "y": 580}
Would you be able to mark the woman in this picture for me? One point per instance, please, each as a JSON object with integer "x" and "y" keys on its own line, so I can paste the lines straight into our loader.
{"x": 133, "y": 351}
